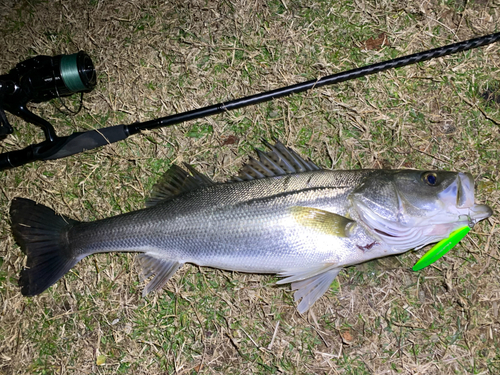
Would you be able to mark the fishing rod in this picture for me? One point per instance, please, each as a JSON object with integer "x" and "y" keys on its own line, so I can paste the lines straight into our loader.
{"x": 43, "y": 78}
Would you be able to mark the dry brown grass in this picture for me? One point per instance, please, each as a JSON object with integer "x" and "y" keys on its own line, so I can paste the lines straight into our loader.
{"x": 156, "y": 58}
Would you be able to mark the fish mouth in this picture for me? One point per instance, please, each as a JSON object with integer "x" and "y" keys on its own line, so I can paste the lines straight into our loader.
{"x": 465, "y": 190}
{"x": 458, "y": 198}
{"x": 479, "y": 212}
{"x": 455, "y": 208}
{"x": 459, "y": 194}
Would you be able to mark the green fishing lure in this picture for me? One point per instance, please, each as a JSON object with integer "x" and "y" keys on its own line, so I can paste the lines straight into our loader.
{"x": 441, "y": 248}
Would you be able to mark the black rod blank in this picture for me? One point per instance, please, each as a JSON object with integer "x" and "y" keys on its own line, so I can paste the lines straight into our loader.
{"x": 79, "y": 142}
{"x": 312, "y": 84}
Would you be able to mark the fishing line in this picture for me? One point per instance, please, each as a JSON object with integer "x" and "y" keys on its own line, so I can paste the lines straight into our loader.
{"x": 55, "y": 147}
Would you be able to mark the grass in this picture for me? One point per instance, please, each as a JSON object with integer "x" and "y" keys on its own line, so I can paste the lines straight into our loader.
{"x": 155, "y": 59}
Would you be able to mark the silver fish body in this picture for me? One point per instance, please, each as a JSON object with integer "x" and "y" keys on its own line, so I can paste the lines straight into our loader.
{"x": 304, "y": 226}
{"x": 243, "y": 226}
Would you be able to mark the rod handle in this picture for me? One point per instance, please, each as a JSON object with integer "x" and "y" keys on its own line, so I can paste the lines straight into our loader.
{"x": 64, "y": 146}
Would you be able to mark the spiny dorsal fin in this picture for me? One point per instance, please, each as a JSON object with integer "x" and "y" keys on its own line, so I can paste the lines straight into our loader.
{"x": 279, "y": 161}
{"x": 176, "y": 181}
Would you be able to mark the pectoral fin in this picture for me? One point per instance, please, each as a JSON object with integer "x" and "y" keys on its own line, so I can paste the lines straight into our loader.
{"x": 323, "y": 221}
{"x": 162, "y": 269}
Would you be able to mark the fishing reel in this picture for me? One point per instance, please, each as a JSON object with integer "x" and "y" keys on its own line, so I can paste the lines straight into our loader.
{"x": 43, "y": 78}
{"x": 40, "y": 79}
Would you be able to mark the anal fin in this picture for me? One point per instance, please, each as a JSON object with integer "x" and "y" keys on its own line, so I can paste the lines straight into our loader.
{"x": 162, "y": 269}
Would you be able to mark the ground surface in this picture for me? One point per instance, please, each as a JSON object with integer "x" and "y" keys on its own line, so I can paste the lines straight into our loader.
{"x": 157, "y": 58}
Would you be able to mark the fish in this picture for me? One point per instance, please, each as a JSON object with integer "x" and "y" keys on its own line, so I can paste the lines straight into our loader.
{"x": 281, "y": 214}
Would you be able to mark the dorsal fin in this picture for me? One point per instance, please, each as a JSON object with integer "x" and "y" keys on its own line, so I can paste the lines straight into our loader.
{"x": 279, "y": 161}
{"x": 176, "y": 181}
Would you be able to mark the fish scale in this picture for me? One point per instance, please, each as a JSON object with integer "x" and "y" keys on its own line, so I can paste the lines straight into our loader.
{"x": 281, "y": 214}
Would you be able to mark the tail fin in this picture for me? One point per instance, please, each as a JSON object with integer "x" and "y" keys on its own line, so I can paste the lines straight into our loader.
{"x": 40, "y": 233}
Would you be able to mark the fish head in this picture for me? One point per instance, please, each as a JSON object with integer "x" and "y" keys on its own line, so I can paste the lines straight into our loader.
{"x": 409, "y": 209}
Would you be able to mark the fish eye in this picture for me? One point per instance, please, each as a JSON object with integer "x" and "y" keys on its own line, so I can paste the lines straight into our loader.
{"x": 430, "y": 178}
